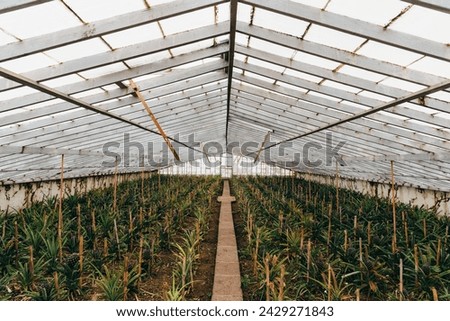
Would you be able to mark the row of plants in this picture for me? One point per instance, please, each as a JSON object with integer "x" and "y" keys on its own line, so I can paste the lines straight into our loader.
{"x": 103, "y": 245}
{"x": 307, "y": 241}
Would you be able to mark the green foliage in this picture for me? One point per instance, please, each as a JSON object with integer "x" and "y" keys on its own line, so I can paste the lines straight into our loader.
{"x": 282, "y": 215}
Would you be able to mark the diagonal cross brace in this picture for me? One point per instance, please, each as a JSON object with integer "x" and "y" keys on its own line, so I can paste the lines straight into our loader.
{"x": 135, "y": 88}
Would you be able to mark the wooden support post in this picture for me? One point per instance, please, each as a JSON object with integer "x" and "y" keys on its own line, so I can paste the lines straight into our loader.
{"x": 16, "y": 242}
{"x": 401, "y": 279}
{"x": 416, "y": 263}
{"x": 308, "y": 260}
{"x": 80, "y": 251}
{"x": 125, "y": 278}
{"x": 329, "y": 282}
{"x": 31, "y": 266}
{"x": 136, "y": 90}
{"x": 60, "y": 214}
{"x": 116, "y": 232}
{"x": 94, "y": 229}
{"x": 438, "y": 252}
{"x": 394, "y": 216}
{"x": 337, "y": 186}
{"x": 56, "y": 281}
{"x": 78, "y": 221}
{"x": 115, "y": 187}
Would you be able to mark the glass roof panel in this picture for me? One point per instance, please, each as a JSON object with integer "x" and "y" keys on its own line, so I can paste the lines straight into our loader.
{"x": 144, "y": 60}
{"x": 337, "y": 85}
{"x": 361, "y": 73}
{"x": 188, "y": 21}
{"x": 314, "y": 60}
{"x": 405, "y": 85}
{"x": 280, "y": 23}
{"x": 101, "y": 71}
{"x": 373, "y": 95}
{"x": 193, "y": 47}
{"x": 134, "y": 35}
{"x": 432, "y": 66}
{"x": 244, "y": 13}
{"x": 417, "y": 22}
{"x": 265, "y": 64}
{"x": 302, "y": 75}
{"x": 270, "y": 47}
{"x": 387, "y": 53}
{"x": 78, "y": 50}
{"x": 5, "y": 38}
{"x": 96, "y": 10}
{"x": 61, "y": 81}
{"x": 333, "y": 38}
{"x": 28, "y": 63}
{"x": 379, "y": 12}
{"x": 313, "y": 3}
{"x": 15, "y": 93}
{"x": 38, "y": 21}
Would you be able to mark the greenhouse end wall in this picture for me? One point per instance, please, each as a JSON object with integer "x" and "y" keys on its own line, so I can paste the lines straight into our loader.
{"x": 17, "y": 196}
{"x": 430, "y": 199}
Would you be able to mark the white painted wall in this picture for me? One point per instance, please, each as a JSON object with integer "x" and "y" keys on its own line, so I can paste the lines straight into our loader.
{"x": 17, "y": 196}
{"x": 440, "y": 201}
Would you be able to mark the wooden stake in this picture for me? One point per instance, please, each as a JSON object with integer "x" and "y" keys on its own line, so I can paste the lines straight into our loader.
{"x": 329, "y": 282}
{"x": 337, "y": 186}
{"x": 255, "y": 256}
{"x": 308, "y": 260}
{"x": 329, "y": 227}
{"x": 94, "y": 229}
{"x": 438, "y": 252}
{"x": 125, "y": 278}
{"x": 116, "y": 232}
{"x": 105, "y": 247}
{"x": 267, "y": 270}
{"x": 142, "y": 185}
{"x": 281, "y": 283}
{"x": 394, "y": 216}
{"x": 360, "y": 250}
{"x": 56, "y": 281}
{"x": 446, "y": 237}
{"x": 401, "y": 280}
{"x": 31, "y": 267}
{"x": 424, "y": 222}
{"x": 355, "y": 225}
{"x": 435, "y": 294}
{"x": 141, "y": 222}
{"x": 80, "y": 251}
{"x": 141, "y": 248}
{"x": 416, "y": 263}
{"x": 405, "y": 224}
{"x": 369, "y": 236}
{"x": 345, "y": 241}
{"x": 115, "y": 187}
{"x": 60, "y": 215}
{"x": 79, "y": 221}
{"x": 302, "y": 238}
{"x": 16, "y": 242}
{"x": 130, "y": 230}
{"x": 358, "y": 294}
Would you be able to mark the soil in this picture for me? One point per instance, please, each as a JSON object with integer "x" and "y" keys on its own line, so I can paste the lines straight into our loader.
{"x": 155, "y": 287}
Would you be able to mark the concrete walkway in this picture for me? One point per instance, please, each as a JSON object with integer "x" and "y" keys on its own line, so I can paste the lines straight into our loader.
{"x": 227, "y": 277}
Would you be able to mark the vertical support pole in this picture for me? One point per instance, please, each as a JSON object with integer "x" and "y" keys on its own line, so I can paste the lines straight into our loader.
{"x": 115, "y": 188}
{"x": 394, "y": 216}
{"x": 80, "y": 251}
{"x": 60, "y": 214}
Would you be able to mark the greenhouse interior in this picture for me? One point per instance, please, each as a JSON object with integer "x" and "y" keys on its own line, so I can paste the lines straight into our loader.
{"x": 224, "y": 150}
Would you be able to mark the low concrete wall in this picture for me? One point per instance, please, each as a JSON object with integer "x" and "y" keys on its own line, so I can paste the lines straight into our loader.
{"x": 17, "y": 196}
{"x": 436, "y": 200}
